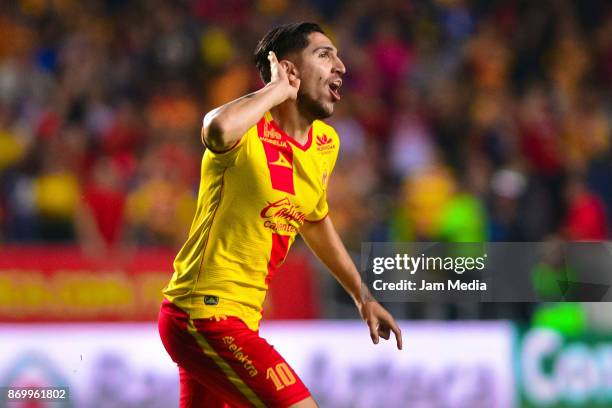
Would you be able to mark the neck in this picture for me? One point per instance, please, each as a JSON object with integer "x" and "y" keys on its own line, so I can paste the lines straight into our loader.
{"x": 292, "y": 121}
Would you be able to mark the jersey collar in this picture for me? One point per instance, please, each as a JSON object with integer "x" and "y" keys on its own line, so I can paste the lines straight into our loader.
{"x": 290, "y": 139}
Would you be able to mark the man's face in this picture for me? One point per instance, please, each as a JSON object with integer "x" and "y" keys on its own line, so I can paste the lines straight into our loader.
{"x": 320, "y": 72}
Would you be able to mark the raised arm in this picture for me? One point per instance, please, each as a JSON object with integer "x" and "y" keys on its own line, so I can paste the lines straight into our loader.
{"x": 224, "y": 126}
{"x": 324, "y": 241}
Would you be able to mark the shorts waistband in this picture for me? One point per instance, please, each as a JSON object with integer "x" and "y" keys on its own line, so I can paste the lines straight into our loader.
{"x": 171, "y": 309}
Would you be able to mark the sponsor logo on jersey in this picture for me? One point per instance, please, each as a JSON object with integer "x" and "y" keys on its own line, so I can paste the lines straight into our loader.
{"x": 325, "y": 143}
{"x": 272, "y": 136}
{"x": 284, "y": 209}
{"x": 280, "y": 214}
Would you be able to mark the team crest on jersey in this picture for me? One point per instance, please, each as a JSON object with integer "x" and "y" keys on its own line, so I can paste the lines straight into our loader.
{"x": 282, "y": 161}
{"x": 325, "y": 143}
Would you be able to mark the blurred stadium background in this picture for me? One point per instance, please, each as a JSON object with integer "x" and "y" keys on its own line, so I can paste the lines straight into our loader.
{"x": 461, "y": 121}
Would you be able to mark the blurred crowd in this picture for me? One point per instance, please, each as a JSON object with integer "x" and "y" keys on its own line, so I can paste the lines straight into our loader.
{"x": 460, "y": 120}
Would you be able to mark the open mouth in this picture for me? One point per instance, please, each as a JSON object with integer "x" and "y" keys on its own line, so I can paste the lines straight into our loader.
{"x": 334, "y": 89}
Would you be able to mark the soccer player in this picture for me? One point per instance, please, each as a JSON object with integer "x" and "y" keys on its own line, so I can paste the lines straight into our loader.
{"x": 264, "y": 179}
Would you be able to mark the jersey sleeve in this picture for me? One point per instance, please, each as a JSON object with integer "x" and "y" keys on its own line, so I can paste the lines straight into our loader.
{"x": 227, "y": 158}
{"x": 322, "y": 208}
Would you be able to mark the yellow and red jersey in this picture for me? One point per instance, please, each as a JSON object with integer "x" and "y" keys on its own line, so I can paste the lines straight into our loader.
{"x": 252, "y": 202}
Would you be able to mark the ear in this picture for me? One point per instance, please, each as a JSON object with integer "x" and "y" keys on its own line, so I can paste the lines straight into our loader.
{"x": 289, "y": 67}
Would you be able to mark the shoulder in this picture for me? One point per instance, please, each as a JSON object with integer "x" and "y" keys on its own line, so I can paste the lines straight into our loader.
{"x": 324, "y": 128}
{"x": 325, "y": 135}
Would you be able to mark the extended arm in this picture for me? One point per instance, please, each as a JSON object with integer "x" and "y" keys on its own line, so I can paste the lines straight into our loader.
{"x": 324, "y": 241}
{"x": 224, "y": 126}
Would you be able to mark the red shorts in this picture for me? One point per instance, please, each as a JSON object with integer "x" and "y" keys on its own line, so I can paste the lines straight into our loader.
{"x": 224, "y": 363}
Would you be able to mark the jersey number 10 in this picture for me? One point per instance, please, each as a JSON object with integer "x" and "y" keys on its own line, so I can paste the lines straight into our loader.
{"x": 281, "y": 376}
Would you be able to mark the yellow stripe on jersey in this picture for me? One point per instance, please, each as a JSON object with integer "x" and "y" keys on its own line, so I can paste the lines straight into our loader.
{"x": 224, "y": 366}
{"x": 253, "y": 199}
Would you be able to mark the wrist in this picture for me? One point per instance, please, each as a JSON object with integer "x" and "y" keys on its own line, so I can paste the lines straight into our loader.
{"x": 278, "y": 90}
{"x": 363, "y": 297}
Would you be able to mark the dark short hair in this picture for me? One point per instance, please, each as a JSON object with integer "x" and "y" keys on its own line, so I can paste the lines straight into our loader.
{"x": 282, "y": 40}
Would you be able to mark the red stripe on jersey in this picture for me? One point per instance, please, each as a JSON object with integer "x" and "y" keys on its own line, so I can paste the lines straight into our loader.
{"x": 279, "y": 156}
{"x": 280, "y": 247}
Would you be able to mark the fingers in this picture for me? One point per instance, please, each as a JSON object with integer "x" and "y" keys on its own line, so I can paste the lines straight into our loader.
{"x": 272, "y": 58}
{"x": 381, "y": 324}
{"x": 384, "y": 332}
{"x": 274, "y": 69}
{"x": 283, "y": 70}
{"x": 388, "y": 325}
{"x": 397, "y": 332}
{"x": 277, "y": 69}
{"x": 286, "y": 66}
{"x": 373, "y": 325}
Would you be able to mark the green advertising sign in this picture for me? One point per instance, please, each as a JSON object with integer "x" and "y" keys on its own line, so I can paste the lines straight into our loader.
{"x": 562, "y": 371}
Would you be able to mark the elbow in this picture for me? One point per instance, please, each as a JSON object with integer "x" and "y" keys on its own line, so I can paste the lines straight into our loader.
{"x": 213, "y": 133}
